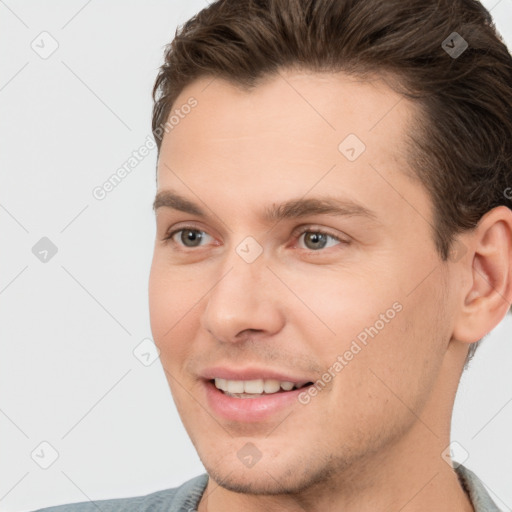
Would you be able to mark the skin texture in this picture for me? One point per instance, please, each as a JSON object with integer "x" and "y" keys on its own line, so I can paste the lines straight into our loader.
{"x": 373, "y": 438}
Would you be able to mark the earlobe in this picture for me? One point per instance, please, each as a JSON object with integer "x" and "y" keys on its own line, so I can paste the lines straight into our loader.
{"x": 488, "y": 298}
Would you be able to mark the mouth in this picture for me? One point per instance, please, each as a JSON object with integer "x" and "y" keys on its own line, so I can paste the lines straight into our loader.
{"x": 255, "y": 388}
{"x": 253, "y": 400}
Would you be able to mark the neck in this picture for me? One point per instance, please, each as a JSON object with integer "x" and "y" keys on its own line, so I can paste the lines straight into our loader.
{"x": 406, "y": 479}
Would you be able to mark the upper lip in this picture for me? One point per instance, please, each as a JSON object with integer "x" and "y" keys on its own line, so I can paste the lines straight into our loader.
{"x": 251, "y": 373}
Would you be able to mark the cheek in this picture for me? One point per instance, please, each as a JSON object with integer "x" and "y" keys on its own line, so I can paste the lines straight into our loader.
{"x": 396, "y": 368}
{"x": 172, "y": 309}
{"x": 375, "y": 326}
{"x": 338, "y": 306}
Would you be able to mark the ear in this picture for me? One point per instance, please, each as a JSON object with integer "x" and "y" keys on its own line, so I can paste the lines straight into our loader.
{"x": 487, "y": 268}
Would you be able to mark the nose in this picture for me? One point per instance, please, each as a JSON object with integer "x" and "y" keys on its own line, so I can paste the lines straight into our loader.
{"x": 243, "y": 302}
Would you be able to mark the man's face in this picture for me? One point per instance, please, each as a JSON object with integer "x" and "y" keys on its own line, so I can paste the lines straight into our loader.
{"x": 243, "y": 297}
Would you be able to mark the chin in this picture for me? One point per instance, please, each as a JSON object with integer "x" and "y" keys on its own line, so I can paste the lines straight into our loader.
{"x": 274, "y": 473}
{"x": 266, "y": 479}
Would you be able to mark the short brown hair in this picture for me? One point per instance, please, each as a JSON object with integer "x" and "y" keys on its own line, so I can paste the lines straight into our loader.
{"x": 460, "y": 150}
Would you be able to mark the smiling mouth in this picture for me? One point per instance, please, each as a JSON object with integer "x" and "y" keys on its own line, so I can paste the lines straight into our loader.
{"x": 256, "y": 388}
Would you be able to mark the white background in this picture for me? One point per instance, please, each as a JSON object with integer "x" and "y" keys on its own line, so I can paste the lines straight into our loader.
{"x": 68, "y": 375}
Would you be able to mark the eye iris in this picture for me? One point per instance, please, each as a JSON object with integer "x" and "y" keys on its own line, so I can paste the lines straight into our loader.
{"x": 315, "y": 238}
{"x": 191, "y": 235}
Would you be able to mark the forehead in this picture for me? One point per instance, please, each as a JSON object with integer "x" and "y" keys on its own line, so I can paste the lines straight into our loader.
{"x": 292, "y": 133}
{"x": 294, "y": 114}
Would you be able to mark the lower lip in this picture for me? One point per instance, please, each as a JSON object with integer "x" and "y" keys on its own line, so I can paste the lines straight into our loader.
{"x": 249, "y": 409}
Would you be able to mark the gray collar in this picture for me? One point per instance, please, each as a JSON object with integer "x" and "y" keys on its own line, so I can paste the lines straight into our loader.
{"x": 478, "y": 494}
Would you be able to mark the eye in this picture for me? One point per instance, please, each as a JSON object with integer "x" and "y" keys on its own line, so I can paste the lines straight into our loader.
{"x": 316, "y": 239}
{"x": 188, "y": 237}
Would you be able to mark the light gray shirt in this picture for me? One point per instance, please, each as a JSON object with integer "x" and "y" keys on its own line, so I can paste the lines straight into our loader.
{"x": 186, "y": 497}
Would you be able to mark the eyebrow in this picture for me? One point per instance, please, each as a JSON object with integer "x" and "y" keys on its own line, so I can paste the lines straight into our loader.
{"x": 291, "y": 209}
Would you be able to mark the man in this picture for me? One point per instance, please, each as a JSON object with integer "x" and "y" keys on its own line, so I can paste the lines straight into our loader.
{"x": 334, "y": 238}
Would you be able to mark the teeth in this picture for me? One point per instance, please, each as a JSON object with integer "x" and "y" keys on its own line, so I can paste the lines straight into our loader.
{"x": 287, "y": 386}
{"x": 252, "y": 386}
{"x": 235, "y": 386}
{"x": 271, "y": 386}
{"x": 256, "y": 387}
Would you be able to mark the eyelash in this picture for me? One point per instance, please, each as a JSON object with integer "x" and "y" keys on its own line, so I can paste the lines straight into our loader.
{"x": 296, "y": 234}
